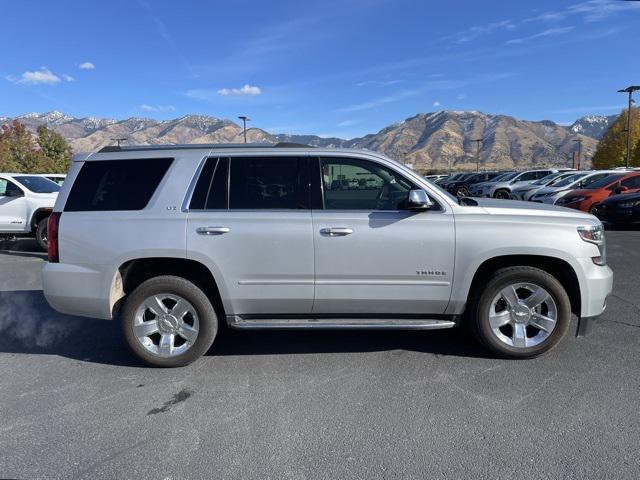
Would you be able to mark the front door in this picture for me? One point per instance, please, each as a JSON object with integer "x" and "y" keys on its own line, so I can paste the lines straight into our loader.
{"x": 13, "y": 208}
{"x": 371, "y": 256}
{"x": 249, "y": 221}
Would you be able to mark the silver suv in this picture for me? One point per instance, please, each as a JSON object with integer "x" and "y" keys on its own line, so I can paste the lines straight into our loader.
{"x": 178, "y": 240}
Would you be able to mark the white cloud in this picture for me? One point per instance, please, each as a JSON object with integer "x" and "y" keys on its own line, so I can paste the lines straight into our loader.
{"x": 67, "y": 78}
{"x": 44, "y": 76}
{"x": 87, "y": 66}
{"x": 461, "y": 96}
{"x": 157, "y": 108}
{"x": 246, "y": 90}
{"x": 436, "y": 103}
{"x": 550, "y": 32}
{"x": 347, "y": 123}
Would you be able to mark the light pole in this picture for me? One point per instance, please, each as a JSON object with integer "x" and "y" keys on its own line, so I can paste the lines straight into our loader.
{"x": 579, "y": 142}
{"x": 244, "y": 119}
{"x": 630, "y": 91}
{"x": 478, "y": 142}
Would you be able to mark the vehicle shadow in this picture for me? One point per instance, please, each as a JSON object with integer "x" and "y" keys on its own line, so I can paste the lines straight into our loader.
{"x": 23, "y": 247}
{"x": 28, "y": 325}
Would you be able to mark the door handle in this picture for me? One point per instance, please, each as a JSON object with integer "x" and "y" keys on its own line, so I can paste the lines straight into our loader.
{"x": 336, "y": 231}
{"x": 212, "y": 230}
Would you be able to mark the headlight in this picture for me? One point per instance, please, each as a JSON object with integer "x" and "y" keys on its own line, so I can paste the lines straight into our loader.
{"x": 577, "y": 198}
{"x": 630, "y": 204}
{"x": 595, "y": 234}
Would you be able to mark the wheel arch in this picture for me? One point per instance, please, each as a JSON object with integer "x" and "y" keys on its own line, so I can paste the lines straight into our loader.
{"x": 38, "y": 215}
{"x": 559, "y": 268}
{"x": 134, "y": 272}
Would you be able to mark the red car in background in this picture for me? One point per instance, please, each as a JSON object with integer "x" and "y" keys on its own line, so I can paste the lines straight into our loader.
{"x": 587, "y": 199}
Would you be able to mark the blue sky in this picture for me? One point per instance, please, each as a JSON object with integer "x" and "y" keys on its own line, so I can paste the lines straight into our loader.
{"x": 342, "y": 68}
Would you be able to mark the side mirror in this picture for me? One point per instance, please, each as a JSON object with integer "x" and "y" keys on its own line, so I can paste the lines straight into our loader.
{"x": 418, "y": 200}
{"x": 621, "y": 189}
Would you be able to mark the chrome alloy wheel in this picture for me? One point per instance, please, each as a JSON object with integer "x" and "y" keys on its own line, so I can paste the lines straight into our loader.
{"x": 523, "y": 315}
{"x": 166, "y": 325}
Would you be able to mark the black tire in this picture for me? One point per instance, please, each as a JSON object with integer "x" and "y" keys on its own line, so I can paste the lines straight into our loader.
{"x": 41, "y": 234}
{"x": 503, "y": 193}
{"x": 462, "y": 192}
{"x": 481, "y": 303}
{"x": 208, "y": 320}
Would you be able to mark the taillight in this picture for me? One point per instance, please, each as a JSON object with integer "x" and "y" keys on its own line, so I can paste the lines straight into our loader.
{"x": 52, "y": 236}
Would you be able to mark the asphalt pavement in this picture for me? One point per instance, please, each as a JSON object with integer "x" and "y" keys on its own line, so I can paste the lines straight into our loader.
{"x": 317, "y": 405}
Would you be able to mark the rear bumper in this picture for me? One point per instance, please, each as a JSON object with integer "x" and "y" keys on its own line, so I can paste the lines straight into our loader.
{"x": 76, "y": 290}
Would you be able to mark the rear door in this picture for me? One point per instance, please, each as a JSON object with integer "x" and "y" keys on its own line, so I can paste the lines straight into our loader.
{"x": 249, "y": 220}
{"x": 13, "y": 209}
{"x": 372, "y": 257}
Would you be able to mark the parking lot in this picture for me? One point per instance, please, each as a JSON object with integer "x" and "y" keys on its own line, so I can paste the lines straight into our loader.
{"x": 332, "y": 405}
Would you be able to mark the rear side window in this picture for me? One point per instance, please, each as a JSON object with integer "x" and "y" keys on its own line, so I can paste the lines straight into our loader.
{"x": 116, "y": 184}
{"x": 211, "y": 189}
{"x": 262, "y": 183}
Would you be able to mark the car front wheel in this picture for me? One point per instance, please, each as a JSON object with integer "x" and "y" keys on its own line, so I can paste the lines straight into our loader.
{"x": 41, "y": 234}
{"x": 522, "y": 312}
{"x": 503, "y": 194}
{"x": 168, "y": 321}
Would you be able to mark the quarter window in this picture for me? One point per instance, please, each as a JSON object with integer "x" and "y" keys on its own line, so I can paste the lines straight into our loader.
{"x": 354, "y": 184}
{"x": 116, "y": 184}
{"x": 633, "y": 182}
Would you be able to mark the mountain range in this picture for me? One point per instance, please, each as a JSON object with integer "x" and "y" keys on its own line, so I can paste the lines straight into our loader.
{"x": 426, "y": 140}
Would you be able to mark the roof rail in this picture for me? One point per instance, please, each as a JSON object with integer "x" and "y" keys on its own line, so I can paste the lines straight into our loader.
{"x": 192, "y": 146}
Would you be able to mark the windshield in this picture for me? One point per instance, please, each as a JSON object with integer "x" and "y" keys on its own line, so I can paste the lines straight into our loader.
{"x": 570, "y": 179}
{"x": 547, "y": 179}
{"x": 506, "y": 177}
{"x": 38, "y": 184}
{"x": 603, "y": 182}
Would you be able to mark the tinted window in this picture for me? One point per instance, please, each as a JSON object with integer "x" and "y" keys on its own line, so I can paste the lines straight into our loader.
{"x": 116, "y": 184}
{"x": 633, "y": 182}
{"x": 527, "y": 176}
{"x": 7, "y": 187}
{"x": 601, "y": 180}
{"x": 38, "y": 184}
{"x": 211, "y": 188}
{"x": 268, "y": 183}
{"x": 506, "y": 176}
{"x": 570, "y": 179}
{"x": 351, "y": 184}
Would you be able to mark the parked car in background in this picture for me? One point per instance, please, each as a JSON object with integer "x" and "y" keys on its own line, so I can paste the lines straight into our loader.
{"x": 26, "y": 202}
{"x": 435, "y": 178}
{"x": 455, "y": 178}
{"x": 54, "y": 177}
{"x": 525, "y": 192}
{"x": 551, "y": 194}
{"x": 619, "y": 210}
{"x": 503, "y": 188}
{"x": 403, "y": 255}
{"x": 460, "y": 188}
{"x": 588, "y": 196}
{"x": 475, "y": 189}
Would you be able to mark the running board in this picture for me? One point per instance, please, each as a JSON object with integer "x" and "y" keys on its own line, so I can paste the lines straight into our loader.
{"x": 338, "y": 323}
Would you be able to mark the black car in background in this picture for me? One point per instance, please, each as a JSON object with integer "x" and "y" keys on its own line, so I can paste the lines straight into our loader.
{"x": 460, "y": 186}
{"x": 619, "y": 210}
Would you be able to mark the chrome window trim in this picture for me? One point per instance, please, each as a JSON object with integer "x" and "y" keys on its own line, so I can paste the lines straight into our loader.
{"x": 192, "y": 183}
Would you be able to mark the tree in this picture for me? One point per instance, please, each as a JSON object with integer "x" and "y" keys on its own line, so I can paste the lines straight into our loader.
{"x": 612, "y": 149}
{"x": 50, "y": 153}
{"x": 18, "y": 148}
{"x": 55, "y": 149}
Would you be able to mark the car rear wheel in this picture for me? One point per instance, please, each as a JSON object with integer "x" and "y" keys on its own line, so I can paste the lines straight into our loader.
{"x": 521, "y": 313}
{"x": 168, "y": 322}
{"x": 41, "y": 234}
{"x": 503, "y": 194}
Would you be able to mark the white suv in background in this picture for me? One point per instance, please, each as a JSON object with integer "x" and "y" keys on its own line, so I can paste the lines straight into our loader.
{"x": 502, "y": 189}
{"x": 25, "y": 204}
